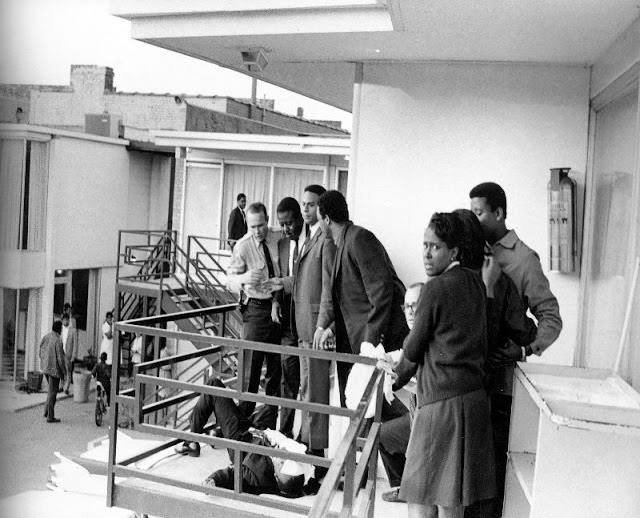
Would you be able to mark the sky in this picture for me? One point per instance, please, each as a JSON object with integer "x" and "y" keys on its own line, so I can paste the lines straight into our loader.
{"x": 40, "y": 39}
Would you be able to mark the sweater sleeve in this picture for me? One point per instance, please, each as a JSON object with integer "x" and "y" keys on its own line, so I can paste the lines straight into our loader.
{"x": 416, "y": 343}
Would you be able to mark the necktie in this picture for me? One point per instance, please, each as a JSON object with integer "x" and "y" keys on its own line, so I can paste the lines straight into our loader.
{"x": 295, "y": 258}
{"x": 267, "y": 258}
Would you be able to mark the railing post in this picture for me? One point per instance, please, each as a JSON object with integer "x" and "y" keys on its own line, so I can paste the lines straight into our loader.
{"x": 188, "y": 260}
{"x": 349, "y": 488}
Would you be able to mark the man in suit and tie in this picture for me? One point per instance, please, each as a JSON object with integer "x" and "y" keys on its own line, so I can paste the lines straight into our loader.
{"x": 237, "y": 226}
{"x": 290, "y": 219}
{"x": 313, "y": 313}
{"x": 70, "y": 345}
{"x": 366, "y": 292}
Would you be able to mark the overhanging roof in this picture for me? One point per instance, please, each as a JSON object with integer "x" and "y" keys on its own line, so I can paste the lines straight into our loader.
{"x": 311, "y": 45}
{"x": 247, "y": 142}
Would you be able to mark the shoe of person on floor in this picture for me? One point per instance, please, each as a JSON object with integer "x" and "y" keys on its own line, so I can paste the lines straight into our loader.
{"x": 192, "y": 449}
{"x": 393, "y": 495}
{"x": 53, "y": 420}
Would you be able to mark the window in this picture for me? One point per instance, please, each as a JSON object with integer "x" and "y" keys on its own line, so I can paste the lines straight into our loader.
{"x": 614, "y": 224}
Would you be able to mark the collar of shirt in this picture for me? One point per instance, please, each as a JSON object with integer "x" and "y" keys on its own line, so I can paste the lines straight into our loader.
{"x": 313, "y": 229}
{"x": 509, "y": 240}
{"x": 339, "y": 239}
{"x": 452, "y": 265}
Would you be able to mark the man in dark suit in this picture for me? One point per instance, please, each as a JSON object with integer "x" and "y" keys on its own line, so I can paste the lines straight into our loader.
{"x": 290, "y": 219}
{"x": 314, "y": 313}
{"x": 366, "y": 292}
{"x": 237, "y": 226}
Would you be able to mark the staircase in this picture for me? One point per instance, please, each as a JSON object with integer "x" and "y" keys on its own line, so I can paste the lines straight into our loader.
{"x": 156, "y": 276}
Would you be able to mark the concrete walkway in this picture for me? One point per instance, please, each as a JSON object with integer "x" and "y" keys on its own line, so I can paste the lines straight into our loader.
{"x": 12, "y": 400}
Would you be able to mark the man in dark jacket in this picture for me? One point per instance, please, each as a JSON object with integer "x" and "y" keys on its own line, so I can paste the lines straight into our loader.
{"x": 237, "y": 226}
{"x": 53, "y": 365}
{"x": 367, "y": 293}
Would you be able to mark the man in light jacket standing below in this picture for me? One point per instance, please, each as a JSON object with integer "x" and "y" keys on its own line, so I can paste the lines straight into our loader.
{"x": 53, "y": 365}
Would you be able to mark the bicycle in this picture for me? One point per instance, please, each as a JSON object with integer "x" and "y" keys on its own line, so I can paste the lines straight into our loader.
{"x": 101, "y": 405}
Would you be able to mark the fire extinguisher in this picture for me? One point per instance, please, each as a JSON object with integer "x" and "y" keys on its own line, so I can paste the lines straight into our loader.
{"x": 562, "y": 218}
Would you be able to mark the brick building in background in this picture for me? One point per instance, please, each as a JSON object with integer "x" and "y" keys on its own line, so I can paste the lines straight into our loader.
{"x": 91, "y": 93}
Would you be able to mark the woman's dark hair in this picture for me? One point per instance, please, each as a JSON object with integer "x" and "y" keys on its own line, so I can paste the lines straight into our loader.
{"x": 472, "y": 250}
{"x": 448, "y": 227}
{"x": 333, "y": 204}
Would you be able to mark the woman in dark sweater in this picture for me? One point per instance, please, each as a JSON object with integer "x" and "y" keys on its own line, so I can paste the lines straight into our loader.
{"x": 450, "y": 462}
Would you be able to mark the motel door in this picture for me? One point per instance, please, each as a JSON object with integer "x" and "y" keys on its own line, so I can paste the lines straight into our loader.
{"x": 202, "y": 201}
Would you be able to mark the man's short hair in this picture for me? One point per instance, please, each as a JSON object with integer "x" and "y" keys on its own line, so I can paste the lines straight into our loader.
{"x": 333, "y": 204}
{"x": 315, "y": 189}
{"x": 109, "y": 314}
{"x": 256, "y": 208}
{"x": 103, "y": 356}
{"x": 472, "y": 251}
{"x": 57, "y": 326}
{"x": 289, "y": 204}
{"x": 240, "y": 196}
{"x": 493, "y": 193}
{"x": 448, "y": 227}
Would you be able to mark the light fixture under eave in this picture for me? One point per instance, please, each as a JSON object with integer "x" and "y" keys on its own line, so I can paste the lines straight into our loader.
{"x": 254, "y": 59}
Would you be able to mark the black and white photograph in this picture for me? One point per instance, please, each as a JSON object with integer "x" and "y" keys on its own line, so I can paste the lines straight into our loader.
{"x": 324, "y": 258}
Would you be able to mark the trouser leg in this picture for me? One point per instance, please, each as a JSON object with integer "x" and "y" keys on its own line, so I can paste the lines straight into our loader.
{"x": 258, "y": 327}
{"x": 394, "y": 438}
{"x": 289, "y": 385}
{"x": 52, "y": 394}
{"x": 343, "y": 374}
{"x": 67, "y": 380}
{"x": 315, "y": 426}
{"x": 500, "y": 418}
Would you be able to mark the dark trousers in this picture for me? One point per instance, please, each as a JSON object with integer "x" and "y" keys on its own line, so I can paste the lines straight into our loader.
{"x": 500, "y": 417}
{"x": 52, "y": 394}
{"x": 106, "y": 383}
{"x": 394, "y": 439}
{"x": 257, "y": 326}
{"x": 290, "y": 382}
{"x": 343, "y": 375}
{"x": 235, "y": 425}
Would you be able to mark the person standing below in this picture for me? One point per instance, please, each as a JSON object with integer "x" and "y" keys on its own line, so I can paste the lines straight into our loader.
{"x": 106, "y": 346}
{"x": 290, "y": 219}
{"x": 450, "y": 460}
{"x": 136, "y": 352}
{"x": 252, "y": 273}
{"x": 367, "y": 294}
{"x": 53, "y": 364}
{"x": 237, "y": 226}
{"x": 313, "y": 313}
{"x": 69, "y": 338}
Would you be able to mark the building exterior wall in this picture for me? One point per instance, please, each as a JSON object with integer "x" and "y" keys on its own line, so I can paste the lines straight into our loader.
{"x": 425, "y": 134}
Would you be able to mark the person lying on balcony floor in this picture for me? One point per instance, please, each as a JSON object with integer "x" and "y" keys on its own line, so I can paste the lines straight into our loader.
{"x": 260, "y": 473}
